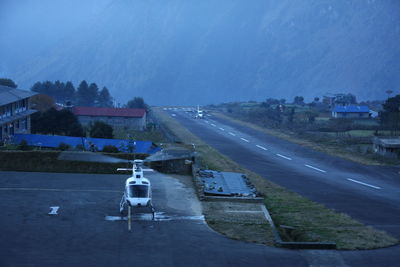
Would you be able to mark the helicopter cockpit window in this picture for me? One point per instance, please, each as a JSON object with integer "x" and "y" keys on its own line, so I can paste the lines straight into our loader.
{"x": 138, "y": 191}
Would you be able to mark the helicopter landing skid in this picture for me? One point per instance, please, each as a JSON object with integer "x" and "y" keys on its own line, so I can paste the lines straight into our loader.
{"x": 123, "y": 203}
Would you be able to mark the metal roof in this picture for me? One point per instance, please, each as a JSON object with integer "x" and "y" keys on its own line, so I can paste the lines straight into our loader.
{"x": 9, "y": 95}
{"x": 388, "y": 142}
{"x": 226, "y": 184}
{"x": 351, "y": 109}
{"x": 109, "y": 112}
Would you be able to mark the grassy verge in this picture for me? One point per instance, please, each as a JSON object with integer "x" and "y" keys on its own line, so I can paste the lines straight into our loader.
{"x": 312, "y": 221}
{"x": 327, "y": 148}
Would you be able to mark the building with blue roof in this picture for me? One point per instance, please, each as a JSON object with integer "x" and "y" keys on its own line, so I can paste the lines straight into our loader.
{"x": 351, "y": 112}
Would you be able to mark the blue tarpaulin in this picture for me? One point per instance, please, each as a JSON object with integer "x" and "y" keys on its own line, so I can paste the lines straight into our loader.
{"x": 53, "y": 141}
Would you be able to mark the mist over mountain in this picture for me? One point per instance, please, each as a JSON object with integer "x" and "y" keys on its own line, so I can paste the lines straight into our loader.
{"x": 202, "y": 52}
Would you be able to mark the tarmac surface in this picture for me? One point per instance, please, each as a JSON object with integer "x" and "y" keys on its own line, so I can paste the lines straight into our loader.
{"x": 81, "y": 234}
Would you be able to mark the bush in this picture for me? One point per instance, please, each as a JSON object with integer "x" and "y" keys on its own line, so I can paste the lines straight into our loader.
{"x": 101, "y": 130}
{"x": 110, "y": 149}
{"x": 24, "y": 146}
{"x": 63, "y": 146}
{"x": 79, "y": 147}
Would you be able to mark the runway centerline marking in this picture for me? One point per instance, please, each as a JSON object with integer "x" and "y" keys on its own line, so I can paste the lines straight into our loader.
{"x": 222, "y": 129}
{"x": 244, "y": 139}
{"x": 232, "y": 134}
{"x": 54, "y": 210}
{"x": 263, "y": 148}
{"x": 56, "y": 190}
{"x": 212, "y": 124}
{"x": 314, "y": 168}
{"x": 358, "y": 182}
{"x": 282, "y": 156}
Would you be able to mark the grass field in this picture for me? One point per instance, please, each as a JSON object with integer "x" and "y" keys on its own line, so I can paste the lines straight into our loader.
{"x": 312, "y": 221}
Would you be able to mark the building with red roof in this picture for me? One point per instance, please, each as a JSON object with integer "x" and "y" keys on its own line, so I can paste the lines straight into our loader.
{"x": 133, "y": 118}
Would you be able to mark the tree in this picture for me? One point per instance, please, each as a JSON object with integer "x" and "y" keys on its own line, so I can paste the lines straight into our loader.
{"x": 69, "y": 91}
{"x": 83, "y": 94}
{"x": 390, "y": 115}
{"x": 8, "y": 82}
{"x": 87, "y": 94}
{"x": 59, "y": 91}
{"x": 104, "y": 99}
{"x": 298, "y": 100}
{"x": 137, "y": 102}
{"x": 389, "y": 92}
{"x": 93, "y": 94}
{"x": 37, "y": 87}
{"x": 56, "y": 122}
{"x": 101, "y": 130}
{"x": 345, "y": 99}
{"x": 42, "y": 102}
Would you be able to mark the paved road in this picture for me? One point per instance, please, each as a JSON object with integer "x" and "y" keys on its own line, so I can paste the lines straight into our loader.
{"x": 370, "y": 194}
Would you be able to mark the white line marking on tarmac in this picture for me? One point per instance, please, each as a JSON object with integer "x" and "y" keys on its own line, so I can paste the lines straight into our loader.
{"x": 232, "y": 134}
{"x": 57, "y": 190}
{"x": 158, "y": 216}
{"x": 245, "y": 140}
{"x": 282, "y": 156}
{"x": 358, "y": 182}
{"x": 222, "y": 129}
{"x": 53, "y": 210}
{"x": 207, "y": 122}
{"x": 213, "y": 125}
{"x": 263, "y": 148}
{"x": 245, "y": 211}
{"x": 314, "y": 168}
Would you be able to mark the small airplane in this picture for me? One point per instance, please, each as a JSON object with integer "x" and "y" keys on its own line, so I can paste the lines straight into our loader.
{"x": 137, "y": 191}
{"x": 199, "y": 114}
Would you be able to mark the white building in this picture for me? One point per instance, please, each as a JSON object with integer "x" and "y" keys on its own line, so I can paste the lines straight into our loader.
{"x": 15, "y": 112}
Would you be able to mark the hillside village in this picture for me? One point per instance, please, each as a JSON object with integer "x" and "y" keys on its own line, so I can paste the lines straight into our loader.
{"x": 37, "y": 119}
{"x": 369, "y": 128}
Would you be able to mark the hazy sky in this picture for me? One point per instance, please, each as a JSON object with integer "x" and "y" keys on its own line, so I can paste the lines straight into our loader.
{"x": 205, "y": 51}
{"x": 35, "y": 25}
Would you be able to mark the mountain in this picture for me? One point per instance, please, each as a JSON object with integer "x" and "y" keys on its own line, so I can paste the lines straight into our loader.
{"x": 200, "y": 52}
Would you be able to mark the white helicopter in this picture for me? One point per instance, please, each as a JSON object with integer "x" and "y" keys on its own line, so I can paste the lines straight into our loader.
{"x": 137, "y": 191}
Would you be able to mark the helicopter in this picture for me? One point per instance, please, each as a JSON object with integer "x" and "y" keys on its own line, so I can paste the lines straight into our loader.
{"x": 137, "y": 191}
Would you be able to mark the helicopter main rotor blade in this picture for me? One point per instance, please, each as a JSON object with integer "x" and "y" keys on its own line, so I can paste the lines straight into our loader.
{"x": 88, "y": 157}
